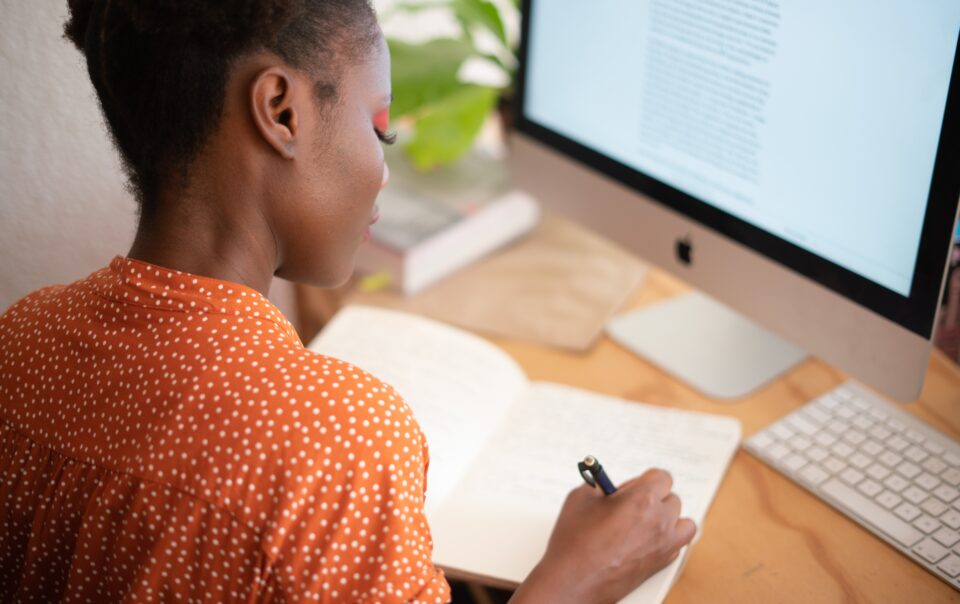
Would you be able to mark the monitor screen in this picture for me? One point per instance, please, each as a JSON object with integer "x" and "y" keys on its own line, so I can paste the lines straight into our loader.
{"x": 810, "y": 129}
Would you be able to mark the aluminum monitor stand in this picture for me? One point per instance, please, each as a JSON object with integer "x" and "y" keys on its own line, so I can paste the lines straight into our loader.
{"x": 705, "y": 344}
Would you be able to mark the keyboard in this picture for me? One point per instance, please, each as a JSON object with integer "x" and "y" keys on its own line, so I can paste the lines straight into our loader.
{"x": 881, "y": 467}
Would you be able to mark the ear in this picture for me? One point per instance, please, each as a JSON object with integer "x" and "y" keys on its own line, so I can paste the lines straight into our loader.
{"x": 274, "y": 111}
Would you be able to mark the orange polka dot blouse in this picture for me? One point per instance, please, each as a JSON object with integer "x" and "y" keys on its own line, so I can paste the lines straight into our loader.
{"x": 166, "y": 437}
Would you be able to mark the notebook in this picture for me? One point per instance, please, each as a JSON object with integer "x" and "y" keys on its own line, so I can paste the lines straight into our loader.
{"x": 503, "y": 449}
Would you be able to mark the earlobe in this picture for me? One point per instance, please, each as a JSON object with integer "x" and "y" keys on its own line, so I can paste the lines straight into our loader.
{"x": 273, "y": 110}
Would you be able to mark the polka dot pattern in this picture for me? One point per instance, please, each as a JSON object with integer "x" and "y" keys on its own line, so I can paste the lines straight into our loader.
{"x": 167, "y": 437}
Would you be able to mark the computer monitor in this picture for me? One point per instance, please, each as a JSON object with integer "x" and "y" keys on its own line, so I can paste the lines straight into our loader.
{"x": 795, "y": 160}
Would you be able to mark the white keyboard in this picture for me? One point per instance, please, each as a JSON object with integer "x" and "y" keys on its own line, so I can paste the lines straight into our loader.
{"x": 888, "y": 471}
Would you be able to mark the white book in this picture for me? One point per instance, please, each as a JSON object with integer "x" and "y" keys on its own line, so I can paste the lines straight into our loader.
{"x": 432, "y": 224}
{"x": 480, "y": 415}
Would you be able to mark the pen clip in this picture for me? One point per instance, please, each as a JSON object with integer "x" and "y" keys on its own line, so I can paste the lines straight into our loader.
{"x": 586, "y": 473}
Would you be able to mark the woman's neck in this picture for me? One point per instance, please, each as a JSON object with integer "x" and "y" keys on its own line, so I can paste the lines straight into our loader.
{"x": 214, "y": 235}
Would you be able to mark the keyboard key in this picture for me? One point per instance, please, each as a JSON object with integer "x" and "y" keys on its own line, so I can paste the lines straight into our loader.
{"x": 842, "y": 449}
{"x": 794, "y": 462}
{"x": 818, "y": 414}
{"x": 859, "y": 460}
{"x": 828, "y": 401}
{"x": 896, "y": 425}
{"x": 946, "y": 493}
{"x": 907, "y": 511}
{"x": 946, "y": 537}
{"x": 907, "y": 470}
{"x": 890, "y": 459}
{"x": 916, "y": 454}
{"x": 951, "y": 476}
{"x": 842, "y": 393}
{"x": 951, "y": 518}
{"x": 851, "y": 476}
{"x": 930, "y": 550}
{"x": 872, "y": 448}
{"x": 858, "y": 404}
{"x": 933, "y": 446}
{"x": 880, "y": 518}
{"x": 877, "y": 472}
{"x": 895, "y": 483}
{"x": 760, "y": 441}
{"x": 825, "y": 438}
{"x": 934, "y": 506}
{"x": 897, "y": 443}
{"x": 877, "y": 414}
{"x": 800, "y": 443}
{"x": 800, "y": 424}
{"x": 834, "y": 465}
{"x": 845, "y": 412}
{"x": 934, "y": 465}
{"x": 950, "y": 565}
{"x": 836, "y": 426}
{"x": 913, "y": 435}
{"x": 781, "y": 431}
{"x": 813, "y": 474}
{"x": 862, "y": 423}
{"x": 951, "y": 459}
{"x": 869, "y": 488}
{"x": 926, "y": 524}
{"x": 778, "y": 451}
{"x": 816, "y": 453}
{"x": 854, "y": 437}
{"x": 927, "y": 482}
{"x": 915, "y": 495}
{"x": 890, "y": 501}
{"x": 879, "y": 432}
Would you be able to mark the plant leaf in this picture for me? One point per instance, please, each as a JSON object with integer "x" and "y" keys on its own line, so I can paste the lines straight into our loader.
{"x": 482, "y": 12}
{"x": 413, "y": 6}
{"x": 447, "y": 129}
{"x": 425, "y": 73}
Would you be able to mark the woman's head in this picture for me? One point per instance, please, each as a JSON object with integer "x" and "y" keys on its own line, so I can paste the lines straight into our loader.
{"x": 292, "y": 94}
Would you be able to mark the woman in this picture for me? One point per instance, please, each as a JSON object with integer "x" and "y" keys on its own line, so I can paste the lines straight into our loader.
{"x": 165, "y": 434}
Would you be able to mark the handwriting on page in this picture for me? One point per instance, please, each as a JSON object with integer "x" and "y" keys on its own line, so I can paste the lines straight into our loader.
{"x": 554, "y": 426}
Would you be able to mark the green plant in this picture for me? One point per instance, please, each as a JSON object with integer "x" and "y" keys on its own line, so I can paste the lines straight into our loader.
{"x": 442, "y": 112}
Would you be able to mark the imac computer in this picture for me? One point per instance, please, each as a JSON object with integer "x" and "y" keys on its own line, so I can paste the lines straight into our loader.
{"x": 796, "y": 161}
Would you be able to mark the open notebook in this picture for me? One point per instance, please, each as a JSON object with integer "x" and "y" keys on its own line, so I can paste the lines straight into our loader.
{"x": 503, "y": 450}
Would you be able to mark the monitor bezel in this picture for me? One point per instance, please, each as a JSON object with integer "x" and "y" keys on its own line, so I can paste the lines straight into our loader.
{"x": 915, "y": 312}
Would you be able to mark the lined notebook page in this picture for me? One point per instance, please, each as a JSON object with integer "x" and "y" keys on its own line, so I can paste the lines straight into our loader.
{"x": 458, "y": 385}
{"x": 499, "y": 518}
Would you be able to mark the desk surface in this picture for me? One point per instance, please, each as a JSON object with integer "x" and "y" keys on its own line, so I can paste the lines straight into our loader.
{"x": 765, "y": 539}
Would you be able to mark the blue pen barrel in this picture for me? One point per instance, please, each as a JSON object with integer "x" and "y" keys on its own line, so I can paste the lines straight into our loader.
{"x": 604, "y": 481}
{"x": 593, "y": 474}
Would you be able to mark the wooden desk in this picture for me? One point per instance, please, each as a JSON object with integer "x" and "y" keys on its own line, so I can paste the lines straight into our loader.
{"x": 765, "y": 539}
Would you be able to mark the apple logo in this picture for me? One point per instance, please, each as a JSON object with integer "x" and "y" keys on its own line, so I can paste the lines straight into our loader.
{"x": 685, "y": 251}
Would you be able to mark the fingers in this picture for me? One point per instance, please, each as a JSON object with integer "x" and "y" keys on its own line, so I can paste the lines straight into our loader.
{"x": 653, "y": 476}
{"x": 672, "y": 505}
{"x": 658, "y": 481}
{"x": 685, "y": 531}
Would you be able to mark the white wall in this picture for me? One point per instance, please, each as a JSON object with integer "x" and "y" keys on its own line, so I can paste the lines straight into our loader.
{"x": 64, "y": 212}
{"x": 63, "y": 208}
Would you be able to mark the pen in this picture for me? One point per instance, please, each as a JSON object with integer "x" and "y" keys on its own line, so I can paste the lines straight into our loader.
{"x": 593, "y": 474}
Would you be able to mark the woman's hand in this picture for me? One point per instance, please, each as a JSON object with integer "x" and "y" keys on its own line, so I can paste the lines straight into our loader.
{"x": 603, "y": 547}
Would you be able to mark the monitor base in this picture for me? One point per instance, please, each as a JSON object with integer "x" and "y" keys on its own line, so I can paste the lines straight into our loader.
{"x": 705, "y": 344}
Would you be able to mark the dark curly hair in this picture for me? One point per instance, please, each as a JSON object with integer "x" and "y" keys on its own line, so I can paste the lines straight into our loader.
{"x": 160, "y": 67}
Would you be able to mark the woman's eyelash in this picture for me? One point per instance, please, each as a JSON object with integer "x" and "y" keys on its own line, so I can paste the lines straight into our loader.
{"x": 387, "y": 138}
